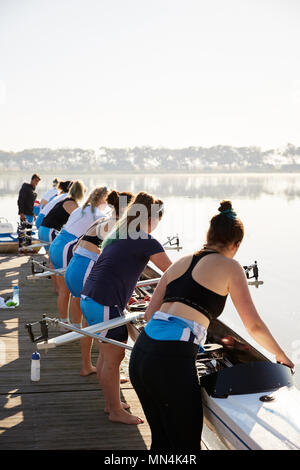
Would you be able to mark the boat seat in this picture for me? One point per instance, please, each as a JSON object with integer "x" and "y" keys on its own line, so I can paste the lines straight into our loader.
{"x": 211, "y": 351}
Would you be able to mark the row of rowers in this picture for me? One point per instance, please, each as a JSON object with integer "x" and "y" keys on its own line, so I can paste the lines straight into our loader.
{"x": 101, "y": 285}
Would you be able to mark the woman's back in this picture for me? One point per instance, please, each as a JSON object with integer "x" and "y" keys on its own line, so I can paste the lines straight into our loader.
{"x": 120, "y": 265}
{"x": 81, "y": 219}
{"x": 212, "y": 272}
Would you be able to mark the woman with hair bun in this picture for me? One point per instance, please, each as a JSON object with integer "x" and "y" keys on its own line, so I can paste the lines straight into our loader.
{"x": 85, "y": 255}
{"x": 62, "y": 189}
{"x": 125, "y": 253}
{"x": 190, "y": 294}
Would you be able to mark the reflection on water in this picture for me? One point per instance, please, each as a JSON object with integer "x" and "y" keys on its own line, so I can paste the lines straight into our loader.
{"x": 217, "y": 186}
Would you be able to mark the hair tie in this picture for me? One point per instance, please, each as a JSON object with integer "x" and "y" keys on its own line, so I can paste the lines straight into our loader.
{"x": 229, "y": 213}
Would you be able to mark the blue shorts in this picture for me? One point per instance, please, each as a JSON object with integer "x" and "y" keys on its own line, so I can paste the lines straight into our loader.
{"x": 94, "y": 313}
{"x": 166, "y": 327}
{"x": 61, "y": 249}
{"x": 39, "y": 220}
{"x": 46, "y": 234}
{"x": 36, "y": 210}
{"x": 29, "y": 219}
{"x": 78, "y": 270}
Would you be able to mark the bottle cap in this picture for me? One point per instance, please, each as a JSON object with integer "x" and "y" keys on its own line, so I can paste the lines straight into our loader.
{"x": 35, "y": 356}
{"x": 16, "y": 287}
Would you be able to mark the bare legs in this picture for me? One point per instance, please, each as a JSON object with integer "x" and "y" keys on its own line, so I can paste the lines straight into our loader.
{"x": 86, "y": 344}
{"x": 63, "y": 297}
{"x": 108, "y": 373}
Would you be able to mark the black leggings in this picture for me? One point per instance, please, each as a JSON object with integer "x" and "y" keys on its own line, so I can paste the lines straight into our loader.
{"x": 164, "y": 376}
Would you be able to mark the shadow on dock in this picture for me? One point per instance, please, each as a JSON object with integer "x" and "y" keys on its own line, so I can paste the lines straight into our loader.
{"x": 63, "y": 410}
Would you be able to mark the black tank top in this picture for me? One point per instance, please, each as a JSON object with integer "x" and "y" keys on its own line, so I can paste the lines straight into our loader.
{"x": 58, "y": 216}
{"x": 186, "y": 290}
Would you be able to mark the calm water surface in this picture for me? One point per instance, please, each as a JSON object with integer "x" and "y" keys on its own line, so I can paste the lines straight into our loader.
{"x": 268, "y": 205}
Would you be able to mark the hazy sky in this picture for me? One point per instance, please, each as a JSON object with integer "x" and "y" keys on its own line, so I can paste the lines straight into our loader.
{"x": 176, "y": 73}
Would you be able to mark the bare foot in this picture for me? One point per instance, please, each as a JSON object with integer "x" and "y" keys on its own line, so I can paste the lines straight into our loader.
{"x": 122, "y": 416}
{"x": 123, "y": 379}
{"x": 125, "y": 406}
{"x": 85, "y": 371}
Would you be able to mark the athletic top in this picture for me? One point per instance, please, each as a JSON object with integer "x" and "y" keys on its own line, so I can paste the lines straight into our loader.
{"x": 50, "y": 194}
{"x": 47, "y": 207}
{"x": 118, "y": 268}
{"x": 58, "y": 216}
{"x": 100, "y": 234}
{"x": 186, "y": 290}
{"x": 81, "y": 219}
{"x": 27, "y": 196}
{"x": 94, "y": 239}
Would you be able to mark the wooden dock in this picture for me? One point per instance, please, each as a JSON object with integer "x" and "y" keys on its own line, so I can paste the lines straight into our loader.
{"x": 63, "y": 410}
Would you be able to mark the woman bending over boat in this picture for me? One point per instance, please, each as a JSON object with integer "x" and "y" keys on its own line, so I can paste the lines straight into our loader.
{"x": 108, "y": 288}
{"x": 47, "y": 222}
{"x": 190, "y": 294}
{"x": 63, "y": 188}
{"x": 84, "y": 256}
{"x": 61, "y": 249}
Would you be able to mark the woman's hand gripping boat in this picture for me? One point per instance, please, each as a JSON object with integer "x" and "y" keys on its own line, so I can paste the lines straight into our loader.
{"x": 249, "y": 401}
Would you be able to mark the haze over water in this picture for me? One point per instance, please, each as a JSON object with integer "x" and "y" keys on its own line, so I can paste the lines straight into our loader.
{"x": 268, "y": 205}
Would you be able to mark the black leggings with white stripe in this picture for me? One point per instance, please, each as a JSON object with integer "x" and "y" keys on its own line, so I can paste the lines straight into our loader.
{"x": 164, "y": 376}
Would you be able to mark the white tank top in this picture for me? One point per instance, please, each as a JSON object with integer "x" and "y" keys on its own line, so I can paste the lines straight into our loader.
{"x": 47, "y": 208}
{"x": 49, "y": 194}
{"x": 80, "y": 220}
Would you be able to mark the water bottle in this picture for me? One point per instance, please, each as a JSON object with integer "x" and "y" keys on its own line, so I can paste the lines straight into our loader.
{"x": 35, "y": 367}
{"x": 15, "y": 298}
{"x": 14, "y": 301}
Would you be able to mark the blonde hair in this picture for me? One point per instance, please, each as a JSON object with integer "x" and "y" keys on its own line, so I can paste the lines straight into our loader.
{"x": 77, "y": 190}
{"x": 95, "y": 196}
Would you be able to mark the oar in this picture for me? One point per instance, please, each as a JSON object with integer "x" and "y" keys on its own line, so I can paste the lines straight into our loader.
{"x": 89, "y": 330}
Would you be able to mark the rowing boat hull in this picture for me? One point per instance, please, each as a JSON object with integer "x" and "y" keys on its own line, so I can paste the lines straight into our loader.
{"x": 243, "y": 422}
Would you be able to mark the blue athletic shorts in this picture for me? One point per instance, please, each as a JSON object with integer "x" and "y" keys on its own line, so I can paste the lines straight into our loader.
{"x": 29, "y": 219}
{"x": 39, "y": 220}
{"x": 61, "y": 249}
{"x": 78, "y": 269}
{"x": 36, "y": 210}
{"x": 46, "y": 234}
{"x": 94, "y": 313}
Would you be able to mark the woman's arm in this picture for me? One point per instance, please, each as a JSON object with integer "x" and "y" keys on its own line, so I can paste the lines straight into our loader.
{"x": 161, "y": 260}
{"x": 157, "y": 297}
{"x": 239, "y": 292}
{"x": 70, "y": 206}
{"x": 43, "y": 202}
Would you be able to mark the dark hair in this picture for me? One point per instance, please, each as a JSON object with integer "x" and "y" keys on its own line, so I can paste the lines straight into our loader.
{"x": 64, "y": 186}
{"x": 113, "y": 199}
{"x": 154, "y": 209}
{"x": 35, "y": 175}
{"x": 226, "y": 227}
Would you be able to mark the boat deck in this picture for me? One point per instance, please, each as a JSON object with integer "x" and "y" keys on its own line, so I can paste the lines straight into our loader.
{"x": 63, "y": 410}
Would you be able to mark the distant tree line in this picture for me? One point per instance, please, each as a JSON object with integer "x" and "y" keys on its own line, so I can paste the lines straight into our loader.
{"x": 220, "y": 158}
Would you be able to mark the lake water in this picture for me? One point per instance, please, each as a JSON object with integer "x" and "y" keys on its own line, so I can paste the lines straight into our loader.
{"x": 268, "y": 205}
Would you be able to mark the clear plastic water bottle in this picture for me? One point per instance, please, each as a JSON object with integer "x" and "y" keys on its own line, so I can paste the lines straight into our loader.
{"x": 16, "y": 299}
{"x": 35, "y": 367}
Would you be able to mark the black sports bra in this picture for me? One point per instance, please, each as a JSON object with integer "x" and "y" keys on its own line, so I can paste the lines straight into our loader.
{"x": 94, "y": 239}
{"x": 186, "y": 290}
